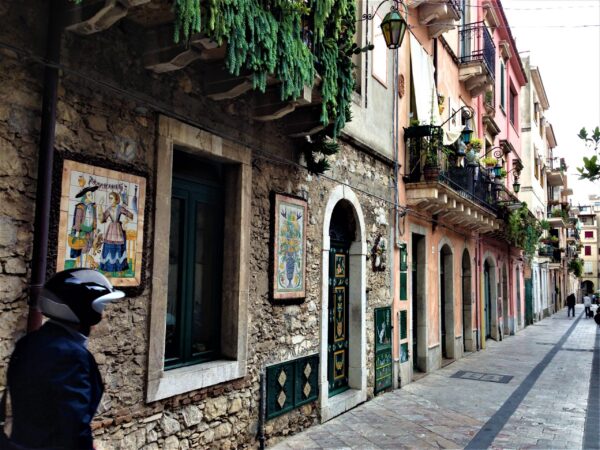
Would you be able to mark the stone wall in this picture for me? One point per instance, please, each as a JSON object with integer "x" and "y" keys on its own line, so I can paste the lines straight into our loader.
{"x": 104, "y": 124}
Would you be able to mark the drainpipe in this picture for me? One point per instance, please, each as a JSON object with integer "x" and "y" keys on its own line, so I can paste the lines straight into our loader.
{"x": 262, "y": 411}
{"x": 45, "y": 162}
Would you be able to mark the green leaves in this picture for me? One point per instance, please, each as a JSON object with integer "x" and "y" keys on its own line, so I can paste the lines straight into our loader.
{"x": 187, "y": 18}
{"x": 591, "y": 168}
{"x": 524, "y": 230}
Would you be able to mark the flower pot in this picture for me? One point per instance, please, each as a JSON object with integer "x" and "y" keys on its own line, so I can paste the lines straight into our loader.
{"x": 431, "y": 173}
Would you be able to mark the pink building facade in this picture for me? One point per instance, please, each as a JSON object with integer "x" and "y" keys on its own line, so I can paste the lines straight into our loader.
{"x": 463, "y": 281}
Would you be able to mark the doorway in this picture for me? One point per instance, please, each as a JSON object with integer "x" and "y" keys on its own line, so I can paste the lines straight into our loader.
{"x": 505, "y": 303}
{"x": 467, "y": 315}
{"x": 487, "y": 304}
{"x": 418, "y": 304}
{"x": 446, "y": 303}
{"x": 519, "y": 308}
{"x": 342, "y": 231}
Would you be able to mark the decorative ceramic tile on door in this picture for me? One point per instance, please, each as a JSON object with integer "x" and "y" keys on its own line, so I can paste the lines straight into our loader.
{"x": 338, "y": 318}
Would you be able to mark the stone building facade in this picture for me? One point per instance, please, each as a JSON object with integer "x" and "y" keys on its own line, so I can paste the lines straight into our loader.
{"x": 114, "y": 113}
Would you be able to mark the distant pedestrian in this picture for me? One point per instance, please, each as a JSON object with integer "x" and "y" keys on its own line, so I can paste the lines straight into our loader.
{"x": 597, "y": 316}
{"x": 587, "y": 304}
{"x": 571, "y": 304}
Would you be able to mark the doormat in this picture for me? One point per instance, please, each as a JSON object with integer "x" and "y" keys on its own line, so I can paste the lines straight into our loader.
{"x": 477, "y": 376}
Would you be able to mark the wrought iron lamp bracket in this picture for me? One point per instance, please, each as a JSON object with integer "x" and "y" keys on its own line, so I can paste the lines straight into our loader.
{"x": 467, "y": 112}
{"x": 395, "y": 7}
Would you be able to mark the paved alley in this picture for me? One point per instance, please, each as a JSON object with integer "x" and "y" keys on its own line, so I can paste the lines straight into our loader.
{"x": 538, "y": 389}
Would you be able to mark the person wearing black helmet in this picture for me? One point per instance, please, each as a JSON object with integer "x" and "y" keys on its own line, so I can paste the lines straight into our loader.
{"x": 53, "y": 380}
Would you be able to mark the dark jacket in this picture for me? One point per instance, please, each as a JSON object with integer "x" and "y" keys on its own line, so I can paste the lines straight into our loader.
{"x": 571, "y": 300}
{"x": 55, "y": 388}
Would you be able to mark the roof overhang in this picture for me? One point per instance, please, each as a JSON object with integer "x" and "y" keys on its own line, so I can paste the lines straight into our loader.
{"x": 539, "y": 87}
{"x": 550, "y": 136}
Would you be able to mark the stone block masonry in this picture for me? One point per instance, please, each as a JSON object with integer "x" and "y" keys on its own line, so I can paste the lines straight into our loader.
{"x": 100, "y": 124}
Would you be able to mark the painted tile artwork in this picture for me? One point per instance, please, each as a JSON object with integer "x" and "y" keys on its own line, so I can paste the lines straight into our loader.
{"x": 289, "y": 248}
{"x": 102, "y": 222}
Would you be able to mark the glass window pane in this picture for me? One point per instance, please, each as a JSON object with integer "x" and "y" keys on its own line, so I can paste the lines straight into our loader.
{"x": 172, "y": 340}
{"x": 207, "y": 280}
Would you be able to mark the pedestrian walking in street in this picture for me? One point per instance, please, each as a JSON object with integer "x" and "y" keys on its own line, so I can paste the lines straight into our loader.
{"x": 53, "y": 380}
{"x": 587, "y": 304}
{"x": 597, "y": 316}
{"x": 571, "y": 304}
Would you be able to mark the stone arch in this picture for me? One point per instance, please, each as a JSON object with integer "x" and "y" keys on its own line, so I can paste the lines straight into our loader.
{"x": 357, "y": 368}
{"x": 587, "y": 287}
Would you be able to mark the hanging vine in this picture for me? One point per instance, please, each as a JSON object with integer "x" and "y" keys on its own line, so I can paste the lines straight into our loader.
{"x": 524, "y": 230}
{"x": 291, "y": 40}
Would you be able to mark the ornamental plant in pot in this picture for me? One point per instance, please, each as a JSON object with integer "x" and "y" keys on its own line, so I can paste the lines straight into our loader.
{"x": 489, "y": 161}
{"x": 431, "y": 170}
{"x": 473, "y": 149}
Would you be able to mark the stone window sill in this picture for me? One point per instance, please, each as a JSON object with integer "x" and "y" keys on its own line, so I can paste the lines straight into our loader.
{"x": 191, "y": 378}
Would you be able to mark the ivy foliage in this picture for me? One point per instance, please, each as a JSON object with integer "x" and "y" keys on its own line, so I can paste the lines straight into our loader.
{"x": 524, "y": 230}
{"x": 576, "y": 267}
{"x": 273, "y": 38}
{"x": 316, "y": 150}
{"x": 291, "y": 40}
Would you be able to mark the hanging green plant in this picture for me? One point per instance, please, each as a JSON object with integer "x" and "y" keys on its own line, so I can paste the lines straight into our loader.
{"x": 524, "y": 231}
{"x": 187, "y": 18}
{"x": 269, "y": 38}
{"x": 316, "y": 150}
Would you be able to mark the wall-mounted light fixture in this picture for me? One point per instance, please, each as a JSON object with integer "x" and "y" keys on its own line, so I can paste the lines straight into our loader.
{"x": 393, "y": 25}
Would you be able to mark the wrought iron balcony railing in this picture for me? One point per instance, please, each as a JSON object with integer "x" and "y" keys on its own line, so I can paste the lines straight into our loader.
{"x": 476, "y": 44}
{"x": 425, "y": 151}
{"x": 456, "y": 5}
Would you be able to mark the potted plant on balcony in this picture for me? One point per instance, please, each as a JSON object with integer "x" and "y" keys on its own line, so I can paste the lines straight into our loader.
{"x": 441, "y": 106}
{"x": 431, "y": 168}
{"x": 489, "y": 161}
{"x": 473, "y": 149}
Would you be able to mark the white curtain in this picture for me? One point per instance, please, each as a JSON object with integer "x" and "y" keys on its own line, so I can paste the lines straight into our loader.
{"x": 426, "y": 97}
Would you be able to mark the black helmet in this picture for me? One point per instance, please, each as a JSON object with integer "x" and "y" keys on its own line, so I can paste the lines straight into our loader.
{"x": 77, "y": 296}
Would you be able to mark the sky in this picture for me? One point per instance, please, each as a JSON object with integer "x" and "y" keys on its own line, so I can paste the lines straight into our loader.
{"x": 562, "y": 38}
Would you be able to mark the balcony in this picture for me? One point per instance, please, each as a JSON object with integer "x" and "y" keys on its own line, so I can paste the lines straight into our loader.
{"x": 477, "y": 58}
{"x": 438, "y": 15}
{"x": 460, "y": 196}
{"x": 555, "y": 177}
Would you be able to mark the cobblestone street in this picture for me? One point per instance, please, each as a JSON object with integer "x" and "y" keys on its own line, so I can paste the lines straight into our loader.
{"x": 551, "y": 399}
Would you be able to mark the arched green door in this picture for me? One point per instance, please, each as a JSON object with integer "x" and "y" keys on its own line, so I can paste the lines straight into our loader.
{"x": 338, "y": 341}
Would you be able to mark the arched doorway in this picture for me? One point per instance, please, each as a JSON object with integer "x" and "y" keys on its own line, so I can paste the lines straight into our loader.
{"x": 587, "y": 287}
{"x": 490, "y": 297}
{"x": 505, "y": 303}
{"x": 343, "y": 371}
{"x": 446, "y": 303}
{"x": 467, "y": 314}
{"x": 342, "y": 232}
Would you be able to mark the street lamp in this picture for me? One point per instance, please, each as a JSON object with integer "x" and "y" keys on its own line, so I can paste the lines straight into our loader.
{"x": 393, "y": 25}
{"x": 516, "y": 185}
{"x": 467, "y": 132}
{"x": 393, "y": 28}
